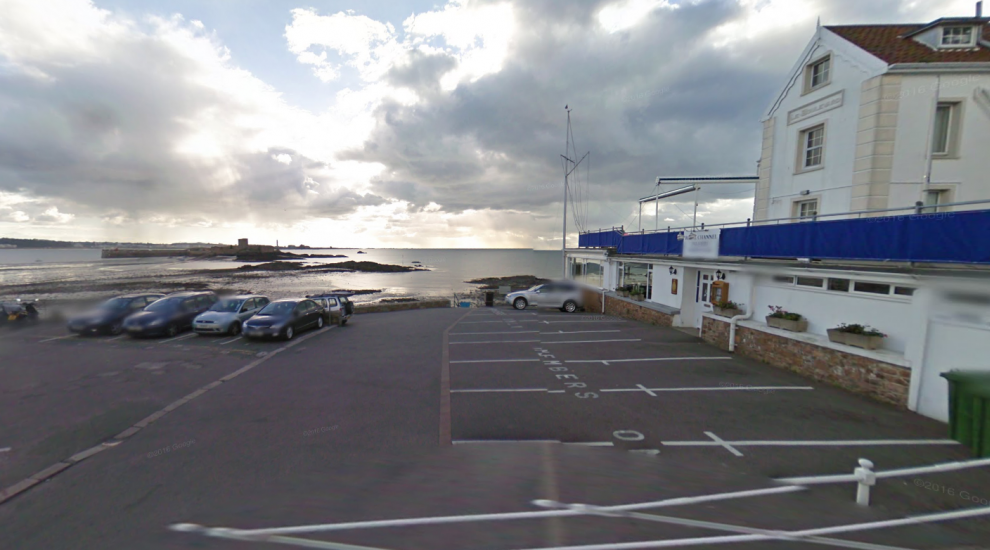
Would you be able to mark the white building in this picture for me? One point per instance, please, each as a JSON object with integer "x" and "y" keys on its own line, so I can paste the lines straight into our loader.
{"x": 874, "y": 117}
{"x": 871, "y": 118}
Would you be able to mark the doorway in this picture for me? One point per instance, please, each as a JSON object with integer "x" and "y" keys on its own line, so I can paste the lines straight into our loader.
{"x": 702, "y": 295}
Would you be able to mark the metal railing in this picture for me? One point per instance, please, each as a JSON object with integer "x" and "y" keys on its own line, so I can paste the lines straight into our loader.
{"x": 918, "y": 209}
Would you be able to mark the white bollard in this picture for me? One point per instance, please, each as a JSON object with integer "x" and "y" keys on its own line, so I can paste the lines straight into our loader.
{"x": 866, "y": 478}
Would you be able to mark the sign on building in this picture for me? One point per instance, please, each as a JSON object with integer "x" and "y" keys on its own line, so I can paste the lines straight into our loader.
{"x": 702, "y": 245}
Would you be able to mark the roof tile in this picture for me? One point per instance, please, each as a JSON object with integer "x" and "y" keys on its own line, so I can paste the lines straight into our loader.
{"x": 885, "y": 43}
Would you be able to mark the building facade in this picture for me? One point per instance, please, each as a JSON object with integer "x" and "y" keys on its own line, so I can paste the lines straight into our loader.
{"x": 876, "y": 117}
{"x": 871, "y": 118}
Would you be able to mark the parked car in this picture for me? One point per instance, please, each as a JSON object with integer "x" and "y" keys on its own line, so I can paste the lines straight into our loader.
{"x": 227, "y": 315}
{"x": 108, "y": 317}
{"x": 285, "y": 319}
{"x": 337, "y": 304}
{"x": 170, "y": 315}
{"x": 563, "y": 295}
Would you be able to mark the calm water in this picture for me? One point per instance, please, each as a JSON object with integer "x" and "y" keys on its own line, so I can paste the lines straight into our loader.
{"x": 449, "y": 268}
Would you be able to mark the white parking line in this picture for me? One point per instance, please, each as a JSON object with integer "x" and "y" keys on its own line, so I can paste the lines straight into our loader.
{"x": 498, "y": 342}
{"x": 582, "y": 332}
{"x": 183, "y": 337}
{"x": 610, "y": 361}
{"x": 478, "y": 322}
{"x": 591, "y": 341}
{"x": 500, "y": 391}
{"x": 117, "y": 338}
{"x": 57, "y": 338}
{"x": 224, "y": 343}
{"x": 499, "y": 361}
{"x": 5, "y": 449}
{"x": 722, "y": 442}
{"x": 555, "y": 322}
{"x": 712, "y": 388}
{"x": 593, "y": 444}
{"x": 510, "y": 332}
{"x": 490, "y": 441}
{"x": 823, "y": 443}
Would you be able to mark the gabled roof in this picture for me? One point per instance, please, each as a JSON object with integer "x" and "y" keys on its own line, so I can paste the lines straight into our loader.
{"x": 890, "y": 43}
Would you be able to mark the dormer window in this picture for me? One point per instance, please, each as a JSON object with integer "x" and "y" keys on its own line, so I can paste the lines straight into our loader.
{"x": 955, "y": 37}
{"x": 818, "y": 74}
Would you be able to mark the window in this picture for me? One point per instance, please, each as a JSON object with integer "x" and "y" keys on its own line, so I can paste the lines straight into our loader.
{"x": 783, "y": 279}
{"x": 872, "y": 288}
{"x": 838, "y": 285}
{"x": 806, "y": 209}
{"x": 957, "y": 36}
{"x": 813, "y": 147}
{"x": 818, "y": 74}
{"x": 933, "y": 198}
{"x": 811, "y": 281}
{"x": 904, "y": 291}
{"x": 946, "y": 115}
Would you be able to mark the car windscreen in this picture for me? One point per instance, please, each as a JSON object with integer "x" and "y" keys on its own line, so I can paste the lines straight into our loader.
{"x": 165, "y": 304}
{"x": 116, "y": 303}
{"x": 278, "y": 308}
{"x": 535, "y": 288}
{"x": 227, "y": 306}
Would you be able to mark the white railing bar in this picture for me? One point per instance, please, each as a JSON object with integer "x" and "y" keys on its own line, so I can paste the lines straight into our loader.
{"x": 934, "y": 468}
{"x": 781, "y": 535}
{"x": 806, "y": 219}
{"x": 679, "y": 501}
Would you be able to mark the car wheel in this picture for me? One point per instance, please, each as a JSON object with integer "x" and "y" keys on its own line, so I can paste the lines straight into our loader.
{"x": 520, "y": 303}
{"x": 235, "y": 328}
{"x": 116, "y": 328}
{"x": 319, "y": 322}
{"x": 343, "y": 322}
{"x": 289, "y": 333}
{"x": 171, "y": 331}
{"x": 570, "y": 306}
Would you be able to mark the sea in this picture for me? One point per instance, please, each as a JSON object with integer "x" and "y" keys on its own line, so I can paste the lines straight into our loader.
{"x": 448, "y": 270}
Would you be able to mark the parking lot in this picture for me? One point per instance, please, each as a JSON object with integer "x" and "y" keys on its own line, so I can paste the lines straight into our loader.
{"x": 471, "y": 411}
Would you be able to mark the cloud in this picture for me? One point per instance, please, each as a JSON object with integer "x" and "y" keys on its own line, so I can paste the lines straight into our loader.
{"x": 443, "y": 129}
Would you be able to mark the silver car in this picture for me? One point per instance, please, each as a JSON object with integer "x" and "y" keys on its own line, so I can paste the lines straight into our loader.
{"x": 565, "y": 296}
{"x": 228, "y": 314}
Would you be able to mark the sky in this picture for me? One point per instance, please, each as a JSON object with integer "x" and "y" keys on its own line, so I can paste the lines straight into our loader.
{"x": 388, "y": 124}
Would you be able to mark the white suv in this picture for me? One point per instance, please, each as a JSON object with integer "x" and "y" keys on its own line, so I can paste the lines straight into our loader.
{"x": 565, "y": 296}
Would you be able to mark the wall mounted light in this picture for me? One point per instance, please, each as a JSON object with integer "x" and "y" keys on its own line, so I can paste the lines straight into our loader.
{"x": 672, "y": 270}
{"x": 719, "y": 275}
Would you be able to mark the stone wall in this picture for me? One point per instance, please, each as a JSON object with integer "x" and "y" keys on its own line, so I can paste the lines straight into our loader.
{"x": 626, "y": 309}
{"x": 877, "y": 379}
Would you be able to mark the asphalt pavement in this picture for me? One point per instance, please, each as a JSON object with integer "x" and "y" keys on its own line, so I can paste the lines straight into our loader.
{"x": 441, "y": 412}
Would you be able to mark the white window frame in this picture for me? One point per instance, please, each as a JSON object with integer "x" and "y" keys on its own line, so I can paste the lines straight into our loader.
{"x": 798, "y": 204}
{"x": 945, "y": 196}
{"x": 945, "y": 34}
{"x": 891, "y": 296}
{"x": 952, "y": 130}
{"x": 809, "y": 73}
{"x": 803, "y": 148}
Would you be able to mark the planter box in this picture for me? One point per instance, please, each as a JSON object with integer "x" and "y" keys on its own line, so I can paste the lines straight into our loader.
{"x": 786, "y": 324}
{"x": 854, "y": 340}
{"x": 726, "y": 312}
{"x": 622, "y": 293}
{"x": 639, "y": 297}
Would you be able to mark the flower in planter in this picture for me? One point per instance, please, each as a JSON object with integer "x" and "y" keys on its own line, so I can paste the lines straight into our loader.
{"x": 727, "y": 304}
{"x": 862, "y": 330}
{"x": 778, "y": 312}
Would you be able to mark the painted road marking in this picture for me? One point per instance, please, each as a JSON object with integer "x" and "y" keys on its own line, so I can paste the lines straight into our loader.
{"x": 478, "y": 322}
{"x": 489, "y": 441}
{"x": 722, "y": 442}
{"x": 497, "y": 342}
{"x": 554, "y": 322}
{"x": 610, "y": 361}
{"x": 510, "y": 332}
{"x": 56, "y": 338}
{"x": 592, "y": 341}
{"x": 183, "y": 337}
{"x": 593, "y": 444}
{"x": 581, "y": 332}
{"x": 496, "y": 391}
{"x": 5, "y": 449}
{"x": 231, "y": 340}
{"x": 499, "y": 361}
{"x": 117, "y": 337}
{"x": 823, "y": 443}
{"x": 650, "y": 391}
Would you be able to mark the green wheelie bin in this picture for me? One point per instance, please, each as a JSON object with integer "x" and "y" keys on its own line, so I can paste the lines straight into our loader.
{"x": 969, "y": 409}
